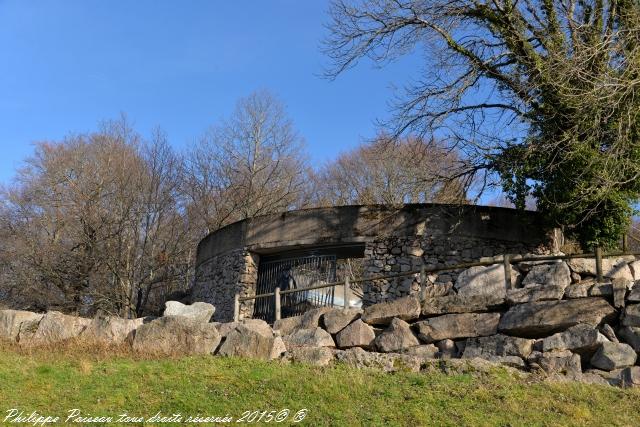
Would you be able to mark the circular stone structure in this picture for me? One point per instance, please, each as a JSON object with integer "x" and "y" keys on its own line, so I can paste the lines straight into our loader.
{"x": 389, "y": 238}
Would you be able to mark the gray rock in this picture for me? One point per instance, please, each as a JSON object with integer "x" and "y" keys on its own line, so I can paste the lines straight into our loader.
{"x": 356, "y": 357}
{"x": 10, "y": 321}
{"x": 534, "y": 293}
{"x": 447, "y": 349}
{"x": 611, "y": 377}
{"x": 312, "y": 337}
{"x": 634, "y": 266}
{"x": 337, "y": 319}
{"x": 460, "y": 304}
{"x": 252, "y": 340}
{"x": 619, "y": 292}
{"x": 578, "y": 290}
{"x": 612, "y": 356}
{"x": 451, "y": 326}
{"x": 581, "y": 338}
{"x": 111, "y": 329}
{"x": 614, "y": 268}
{"x": 357, "y": 334}
{"x": 556, "y": 274}
{"x": 55, "y": 327}
{"x": 436, "y": 290}
{"x": 631, "y": 316}
{"x": 511, "y": 361}
{"x": 542, "y": 318}
{"x": 287, "y": 325}
{"x": 630, "y": 377}
{"x": 428, "y": 351}
{"x": 559, "y": 361}
{"x": 317, "y": 356}
{"x": 608, "y": 332}
{"x": 631, "y": 335}
{"x": 311, "y": 318}
{"x": 406, "y": 308}
{"x": 601, "y": 290}
{"x": 170, "y": 335}
{"x": 634, "y": 294}
{"x": 497, "y": 345}
{"x": 200, "y": 311}
{"x": 397, "y": 337}
{"x": 484, "y": 281}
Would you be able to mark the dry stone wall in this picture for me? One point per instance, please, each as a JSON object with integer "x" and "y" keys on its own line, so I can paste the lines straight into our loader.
{"x": 402, "y": 254}
{"x": 556, "y": 323}
{"x": 221, "y": 277}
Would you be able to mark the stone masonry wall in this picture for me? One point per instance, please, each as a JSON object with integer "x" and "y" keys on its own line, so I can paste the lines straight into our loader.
{"x": 393, "y": 255}
{"x": 219, "y": 279}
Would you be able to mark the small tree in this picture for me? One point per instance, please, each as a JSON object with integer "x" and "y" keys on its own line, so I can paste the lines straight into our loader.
{"x": 249, "y": 164}
{"x": 542, "y": 92}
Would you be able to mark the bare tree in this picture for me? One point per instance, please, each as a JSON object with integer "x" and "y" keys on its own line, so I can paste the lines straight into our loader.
{"x": 249, "y": 164}
{"x": 410, "y": 171}
{"x": 542, "y": 92}
{"x": 97, "y": 222}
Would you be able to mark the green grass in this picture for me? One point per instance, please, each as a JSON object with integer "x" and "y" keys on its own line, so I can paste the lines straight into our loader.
{"x": 103, "y": 384}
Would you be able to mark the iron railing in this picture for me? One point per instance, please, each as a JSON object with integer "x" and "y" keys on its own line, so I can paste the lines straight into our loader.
{"x": 507, "y": 261}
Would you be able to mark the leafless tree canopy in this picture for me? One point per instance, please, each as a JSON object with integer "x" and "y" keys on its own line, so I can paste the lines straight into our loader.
{"x": 410, "y": 171}
{"x": 250, "y": 164}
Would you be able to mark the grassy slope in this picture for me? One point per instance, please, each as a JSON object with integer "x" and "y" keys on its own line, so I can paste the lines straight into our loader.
{"x": 99, "y": 384}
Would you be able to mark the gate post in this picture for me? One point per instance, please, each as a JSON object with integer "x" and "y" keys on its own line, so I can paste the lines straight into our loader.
{"x": 506, "y": 259}
{"x": 423, "y": 283}
{"x": 599, "y": 263}
{"x": 277, "y": 297}
{"x": 345, "y": 294}
{"x": 236, "y": 307}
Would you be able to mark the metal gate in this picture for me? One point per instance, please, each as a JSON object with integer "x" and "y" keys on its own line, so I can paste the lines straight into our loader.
{"x": 294, "y": 273}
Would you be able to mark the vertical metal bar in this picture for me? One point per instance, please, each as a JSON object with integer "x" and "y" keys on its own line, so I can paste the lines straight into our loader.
{"x": 599, "y": 264}
{"x": 347, "y": 286}
{"x": 277, "y": 302}
{"x": 423, "y": 283}
{"x": 506, "y": 259}
{"x": 236, "y": 307}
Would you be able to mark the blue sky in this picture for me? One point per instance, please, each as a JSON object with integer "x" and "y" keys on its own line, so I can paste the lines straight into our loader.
{"x": 180, "y": 65}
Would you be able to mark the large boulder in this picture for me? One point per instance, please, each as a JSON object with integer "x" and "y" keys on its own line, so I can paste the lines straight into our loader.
{"x": 612, "y": 356}
{"x": 631, "y": 315}
{"x": 356, "y": 357}
{"x": 542, "y": 318}
{"x": 111, "y": 329}
{"x": 176, "y": 335}
{"x": 630, "y": 377}
{"x": 200, "y": 311}
{"x": 317, "y": 356}
{"x": 54, "y": 327}
{"x": 428, "y": 351}
{"x": 357, "y": 334}
{"x": 10, "y": 321}
{"x": 460, "y": 304}
{"x": 484, "y": 281}
{"x": 337, "y": 319}
{"x": 405, "y": 308}
{"x": 555, "y": 274}
{"x": 397, "y": 337}
{"x": 497, "y": 345}
{"x": 452, "y": 326}
{"x": 581, "y": 338}
{"x": 252, "y": 340}
{"x": 287, "y": 325}
{"x": 534, "y": 292}
{"x": 311, "y": 337}
{"x": 631, "y": 335}
{"x": 614, "y": 268}
{"x": 559, "y": 361}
